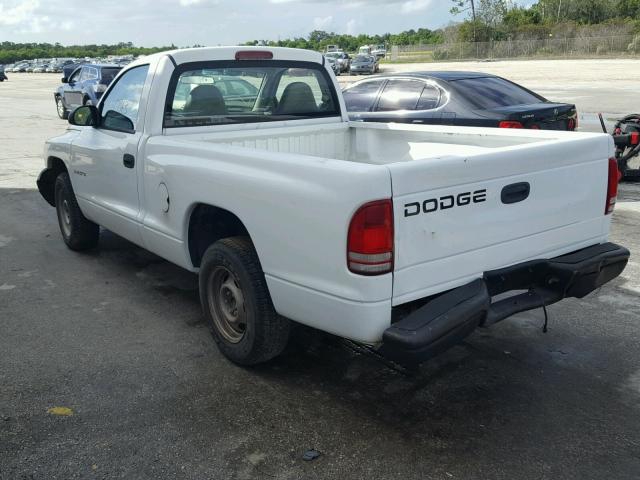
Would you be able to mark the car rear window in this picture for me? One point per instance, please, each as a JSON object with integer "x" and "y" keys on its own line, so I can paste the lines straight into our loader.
{"x": 218, "y": 93}
{"x": 493, "y": 92}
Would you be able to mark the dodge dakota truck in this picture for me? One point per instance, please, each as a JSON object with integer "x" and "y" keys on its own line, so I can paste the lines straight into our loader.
{"x": 240, "y": 164}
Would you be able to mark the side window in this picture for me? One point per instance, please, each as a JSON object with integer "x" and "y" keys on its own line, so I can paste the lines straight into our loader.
{"x": 91, "y": 73}
{"x": 400, "y": 95}
{"x": 360, "y": 97}
{"x": 430, "y": 98}
{"x": 120, "y": 107}
{"x": 75, "y": 76}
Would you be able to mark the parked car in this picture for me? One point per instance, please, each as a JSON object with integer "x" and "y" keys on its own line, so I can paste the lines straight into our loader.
{"x": 84, "y": 86}
{"x": 364, "y": 64}
{"x": 342, "y": 59}
{"x": 333, "y": 64}
{"x": 455, "y": 98}
{"x": 402, "y": 237}
{"x": 40, "y": 68}
{"x": 3, "y": 75}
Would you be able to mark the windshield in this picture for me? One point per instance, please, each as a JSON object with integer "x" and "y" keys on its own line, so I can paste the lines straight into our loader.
{"x": 247, "y": 91}
{"x": 494, "y": 92}
{"x": 363, "y": 59}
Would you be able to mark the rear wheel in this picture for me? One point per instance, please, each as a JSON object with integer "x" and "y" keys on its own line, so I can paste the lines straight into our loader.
{"x": 237, "y": 304}
{"x": 63, "y": 113}
{"x": 78, "y": 232}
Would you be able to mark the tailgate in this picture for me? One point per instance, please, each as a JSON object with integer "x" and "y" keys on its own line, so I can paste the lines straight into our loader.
{"x": 459, "y": 216}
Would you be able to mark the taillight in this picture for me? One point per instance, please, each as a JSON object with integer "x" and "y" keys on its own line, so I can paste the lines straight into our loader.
{"x": 370, "y": 239}
{"x": 535, "y": 127}
{"x": 635, "y": 138}
{"x": 254, "y": 55}
{"x": 612, "y": 186}
{"x": 510, "y": 124}
{"x": 572, "y": 123}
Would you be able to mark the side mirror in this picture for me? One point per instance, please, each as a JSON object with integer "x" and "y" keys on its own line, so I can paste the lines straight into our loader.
{"x": 116, "y": 121}
{"x": 84, "y": 116}
{"x": 64, "y": 80}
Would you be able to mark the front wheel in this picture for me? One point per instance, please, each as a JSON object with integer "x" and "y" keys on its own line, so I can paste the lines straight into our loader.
{"x": 63, "y": 113}
{"x": 237, "y": 304}
{"x": 78, "y": 232}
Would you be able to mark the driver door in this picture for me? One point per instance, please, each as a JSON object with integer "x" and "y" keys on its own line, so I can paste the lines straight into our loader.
{"x": 104, "y": 158}
{"x": 73, "y": 90}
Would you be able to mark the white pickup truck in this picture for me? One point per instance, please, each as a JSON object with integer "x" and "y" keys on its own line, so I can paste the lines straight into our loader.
{"x": 240, "y": 164}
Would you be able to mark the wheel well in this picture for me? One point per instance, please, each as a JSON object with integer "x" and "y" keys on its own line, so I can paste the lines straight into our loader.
{"x": 57, "y": 165}
{"x": 209, "y": 224}
{"x": 47, "y": 179}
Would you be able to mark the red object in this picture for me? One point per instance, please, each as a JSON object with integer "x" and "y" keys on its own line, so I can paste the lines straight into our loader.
{"x": 535, "y": 127}
{"x": 572, "y": 124}
{"x": 254, "y": 55}
{"x": 635, "y": 138}
{"x": 612, "y": 186}
{"x": 370, "y": 239}
{"x": 510, "y": 124}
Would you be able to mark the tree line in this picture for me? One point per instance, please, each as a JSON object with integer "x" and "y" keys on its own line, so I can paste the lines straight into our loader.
{"x": 11, "y": 52}
{"x": 478, "y": 21}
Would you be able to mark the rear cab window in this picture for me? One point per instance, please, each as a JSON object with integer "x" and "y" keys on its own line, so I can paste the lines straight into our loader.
{"x": 228, "y": 92}
{"x": 107, "y": 74}
{"x": 494, "y": 92}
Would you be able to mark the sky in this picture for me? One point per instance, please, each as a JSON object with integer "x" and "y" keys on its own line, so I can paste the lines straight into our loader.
{"x": 209, "y": 22}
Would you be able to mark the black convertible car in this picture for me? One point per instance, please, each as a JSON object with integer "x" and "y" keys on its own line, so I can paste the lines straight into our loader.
{"x": 455, "y": 98}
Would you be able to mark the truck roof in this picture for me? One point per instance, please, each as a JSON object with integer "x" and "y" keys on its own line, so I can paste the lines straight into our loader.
{"x": 202, "y": 54}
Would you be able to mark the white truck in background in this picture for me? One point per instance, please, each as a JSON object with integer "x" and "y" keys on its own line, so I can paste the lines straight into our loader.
{"x": 240, "y": 164}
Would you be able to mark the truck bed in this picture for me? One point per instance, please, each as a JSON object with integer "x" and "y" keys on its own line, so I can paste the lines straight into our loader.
{"x": 446, "y": 247}
{"x": 377, "y": 143}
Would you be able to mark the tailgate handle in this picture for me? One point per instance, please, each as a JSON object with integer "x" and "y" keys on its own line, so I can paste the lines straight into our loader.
{"x": 516, "y": 192}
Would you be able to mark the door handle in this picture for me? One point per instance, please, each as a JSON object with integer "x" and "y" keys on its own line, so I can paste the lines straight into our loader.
{"x": 516, "y": 192}
{"x": 128, "y": 160}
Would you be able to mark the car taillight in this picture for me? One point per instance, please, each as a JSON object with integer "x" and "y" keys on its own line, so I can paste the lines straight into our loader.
{"x": 370, "y": 239}
{"x": 612, "y": 186}
{"x": 572, "y": 123}
{"x": 535, "y": 127}
{"x": 635, "y": 138}
{"x": 254, "y": 55}
{"x": 510, "y": 124}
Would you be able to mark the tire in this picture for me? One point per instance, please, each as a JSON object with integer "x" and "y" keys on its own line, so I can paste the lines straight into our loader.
{"x": 63, "y": 113}
{"x": 237, "y": 305}
{"x": 77, "y": 232}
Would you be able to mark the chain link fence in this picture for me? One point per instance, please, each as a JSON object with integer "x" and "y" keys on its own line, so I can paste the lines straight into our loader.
{"x": 578, "y": 47}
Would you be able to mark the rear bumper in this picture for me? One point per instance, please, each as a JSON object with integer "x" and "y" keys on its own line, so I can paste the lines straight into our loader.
{"x": 449, "y": 318}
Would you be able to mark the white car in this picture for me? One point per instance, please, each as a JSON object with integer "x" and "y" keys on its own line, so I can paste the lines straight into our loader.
{"x": 397, "y": 236}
